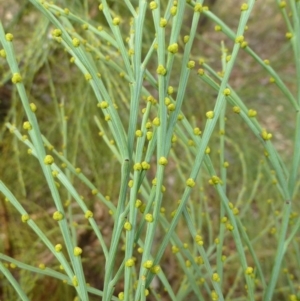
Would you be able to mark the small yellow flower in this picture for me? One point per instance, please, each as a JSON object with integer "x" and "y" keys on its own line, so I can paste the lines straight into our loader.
{"x": 214, "y": 296}
{"x": 235, "y": 211}
{"x": 75, "y": 281}
{"x": 94, "y": 191}
{"x": 48, "y": 160}
{"x": 77, "y": 251}
{"x": 138, "y": 203}
{"x": 163, "y": 161}
{"x": 252, "y": 113}
{"x": 171, "y": 107}
{"x": 244, "y": 44}
{"x": 265, "y": 135}
{"x": 197, "y": 131}
{"x": 198, "y": 8}
{"x": 103, "y": 104}
{"x": 239, "y": 39}
{"x": 9, "y": 37}
{"x": 188, "y": 263}
{"x": 175, "y": 249}
{"x": 88, "y": 76}
{"x": 42, "y": 266}
{"x": 76, "y": 42}
{"x": 215, "y": 180}
{"x": 27, "y": 126}
{"x": 137, "y": 166}
{"x": 236, "y": 109}
{"x": 163, "y": 22}
{"x": 58, "y": 216}
{"x": 116, "y": 21}
{"x": 33, "y": 107}
{"x": 121, "y": 296}
{"x": 199, "y": 240}
{"x": 155, "y": 269}
{"x": 148, "y": 264}
{"x": 161, "y": 70}
{"x": 3, "y": 53}
{"x": 138, "y": 133}
{"x": 173, "y": 48}
{"x": 129, "y": 263}
{"x": 25, "y": 218}
{"x": 190, "y": 182}
{"x": 153, "y": 5}
{"x": 127, "y": 226}
{"x": 215, "y": 277}
{"x": 174, "y": 138}
{"x": 151, "y": 99}
{"x": 156, "y": 121}
{"x": 16, "y": 78}
{"x": 180, "y": 117}
{"x": 229, "y": 226}
{"x": 149, "y": 217}
{"x": 210, "y": 114}
{"x": 218, "y": 28}
{"x": 224, "y": 219}
{"x": 88, "y": 214}
{"x": 145, "y": 165}
{"x": 226, "y": 92}
{"x": 282, "y": 4}
{"x": 199, "y": 260}
{"x": 148, "y": 125}
{"x": 244, "y": 7}
{"x": 173, "y": 10}
{"x": 170, "y": 90}
{"x": 54, "y": 173}
{"x": 191, "y": 64}
{"x": 56, "y": 33}
{"x": 58, "y": 248}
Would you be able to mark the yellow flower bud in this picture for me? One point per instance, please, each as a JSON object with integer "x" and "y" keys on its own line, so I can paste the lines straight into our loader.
{"x": 58, "y": 216}
{"x": 48, "y": 160}
{"x": 17, "y": 78}
{"x": 9, "y": 37}
{"x": 77, "y": 251}
{"x": 210, "y": 114}
{"x": 190, "y": 182}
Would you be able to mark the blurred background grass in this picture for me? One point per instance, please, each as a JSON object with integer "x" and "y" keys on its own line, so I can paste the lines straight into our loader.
{"x": 51, "y": 80}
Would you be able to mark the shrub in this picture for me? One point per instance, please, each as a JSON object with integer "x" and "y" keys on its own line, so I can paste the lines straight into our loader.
{"x": 187, "y": 193}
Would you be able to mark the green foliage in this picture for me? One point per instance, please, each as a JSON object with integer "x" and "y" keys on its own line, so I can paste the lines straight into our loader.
{"x": 138, "y": 165}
